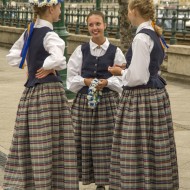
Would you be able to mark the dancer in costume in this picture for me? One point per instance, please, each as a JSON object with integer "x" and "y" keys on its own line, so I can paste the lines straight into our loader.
{"x": 144, "y": 151}
{"x": 43, "y": 152}
{"x": 94, "y": 108}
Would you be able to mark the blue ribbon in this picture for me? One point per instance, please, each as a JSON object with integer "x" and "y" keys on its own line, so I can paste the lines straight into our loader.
{"x": 26, "y": 44}
{"x": 164, "y": 42}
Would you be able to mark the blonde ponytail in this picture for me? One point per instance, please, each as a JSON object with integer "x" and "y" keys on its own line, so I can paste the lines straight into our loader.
{"x": 157, "y": 29}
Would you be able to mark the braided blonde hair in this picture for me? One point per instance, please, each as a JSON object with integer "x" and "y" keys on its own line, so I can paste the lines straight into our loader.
{"x": 147, "y": 11}
{"x": 38, "y": 11}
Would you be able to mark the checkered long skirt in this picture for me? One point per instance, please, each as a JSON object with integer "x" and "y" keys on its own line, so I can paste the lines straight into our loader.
{"x": 43, "y": 152}
{"x": 144, "y": 152}
{"x": 94, "y": 134}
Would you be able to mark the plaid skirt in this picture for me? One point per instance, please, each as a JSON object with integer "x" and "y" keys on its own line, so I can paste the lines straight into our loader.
{"x": 43, "y": 152}
{"x": 144, "y": 152}
{"x": 93, "y": 135}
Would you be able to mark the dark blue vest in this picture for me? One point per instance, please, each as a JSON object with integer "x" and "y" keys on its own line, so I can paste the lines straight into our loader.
{"x": 96, "y": 67}
{"x": 156, "y": 59}
{"x": 36, "y": 56}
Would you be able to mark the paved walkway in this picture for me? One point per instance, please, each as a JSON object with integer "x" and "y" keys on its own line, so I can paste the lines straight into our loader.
{"x": 11, "y": 87}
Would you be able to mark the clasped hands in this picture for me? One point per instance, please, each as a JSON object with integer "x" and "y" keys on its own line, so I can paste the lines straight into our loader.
{"x": 101, "y": 84}
{"x": 115, "y": 70}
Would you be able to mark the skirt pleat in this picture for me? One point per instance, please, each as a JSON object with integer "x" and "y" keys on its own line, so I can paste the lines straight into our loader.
{"x": 43, "y": 152}
{"x": 93, "y": 135}
{"x": 144, "y": 152}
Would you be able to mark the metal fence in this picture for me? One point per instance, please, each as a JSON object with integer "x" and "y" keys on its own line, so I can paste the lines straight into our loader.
{"x": 75, "y": 19}
{"x": 18, "y": 16}
{"x": 175, "y": 22}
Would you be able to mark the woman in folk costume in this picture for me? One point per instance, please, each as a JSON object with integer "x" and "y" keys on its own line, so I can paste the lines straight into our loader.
{"x": 94, "y": 108}
{"x": 144, "y": 152}
{"x": 43, "y": 153}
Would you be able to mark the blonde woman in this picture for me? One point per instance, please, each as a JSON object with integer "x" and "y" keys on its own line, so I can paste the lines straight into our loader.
{"x": 42, "y": 155}
{"x": 143, "y": 152}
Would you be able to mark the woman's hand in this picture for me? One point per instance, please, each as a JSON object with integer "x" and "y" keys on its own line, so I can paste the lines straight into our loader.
{"x": 41, "y": 73}
{"x": 123, "y": 66}
{"x": 101, "y": 84}
{"x": 87, "y": 81}
{"x": 115, "y": 70}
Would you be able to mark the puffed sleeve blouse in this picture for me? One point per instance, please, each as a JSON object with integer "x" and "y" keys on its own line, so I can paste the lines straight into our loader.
{"x": 52, "y": 43}
{"x": 74, "y": 79}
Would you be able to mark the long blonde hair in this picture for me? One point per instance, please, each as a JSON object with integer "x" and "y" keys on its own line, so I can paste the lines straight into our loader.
{"x": 147, "y": 10}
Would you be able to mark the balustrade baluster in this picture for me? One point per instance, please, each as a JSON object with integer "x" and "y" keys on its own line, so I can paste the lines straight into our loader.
{"x": 106, "y": 21}
{"x": 117, "y": 36}
{"x": 10, "y": 15}
{"x": 4, "y": 16}
{"x": 77, "y": 22}
{"x": 66, "y": 18}
{"x": 18, "y": 17}
{"x": 173, "y": 39}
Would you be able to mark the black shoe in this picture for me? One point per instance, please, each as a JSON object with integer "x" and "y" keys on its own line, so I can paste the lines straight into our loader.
{"x": 100, "y": 187}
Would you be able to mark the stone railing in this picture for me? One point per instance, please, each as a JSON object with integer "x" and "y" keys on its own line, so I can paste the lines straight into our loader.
{"x": 176, "y": 67}
{"x": 175, "y": 22}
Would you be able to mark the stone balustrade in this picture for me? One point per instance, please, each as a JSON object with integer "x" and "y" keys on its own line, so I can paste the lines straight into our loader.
{"x": 176, "y": 67}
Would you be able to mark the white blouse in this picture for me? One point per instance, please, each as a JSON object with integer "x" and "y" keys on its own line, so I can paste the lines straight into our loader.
{"x": 52, "y": 43}
{"x": 74, "y": 79}
{"x": 138, "y": 71}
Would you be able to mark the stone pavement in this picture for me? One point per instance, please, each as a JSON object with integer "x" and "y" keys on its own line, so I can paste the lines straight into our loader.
{"x": 11, "y": 87}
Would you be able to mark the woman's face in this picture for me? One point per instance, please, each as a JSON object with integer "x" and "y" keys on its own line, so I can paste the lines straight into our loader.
{"x": 96, "y": 26}
{"x": 131, "y": 16}
{"x": 56, "y": 12}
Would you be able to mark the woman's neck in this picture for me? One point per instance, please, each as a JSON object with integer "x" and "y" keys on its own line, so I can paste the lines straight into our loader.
{"x": 47, "y": 18}
{"x": 99, "y": 41}
{"x": 140, "y": 21}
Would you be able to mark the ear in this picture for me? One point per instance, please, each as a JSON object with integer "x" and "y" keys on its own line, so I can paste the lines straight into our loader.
{"x": 51, "y": 9}
{"x": 135, "y": 11}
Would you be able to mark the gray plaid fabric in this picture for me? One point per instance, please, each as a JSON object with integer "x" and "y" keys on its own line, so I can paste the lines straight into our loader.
{"x": 43, "y": 152}
{"x": 144, "y": 152}
{"x": 93, "y": 134}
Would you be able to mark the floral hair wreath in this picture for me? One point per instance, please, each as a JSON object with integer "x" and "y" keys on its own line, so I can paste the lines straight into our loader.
{"x": 41, "y": 3}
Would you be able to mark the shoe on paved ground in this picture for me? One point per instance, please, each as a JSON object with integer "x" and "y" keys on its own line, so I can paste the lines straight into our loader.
{"x": 100, "y": 187}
